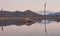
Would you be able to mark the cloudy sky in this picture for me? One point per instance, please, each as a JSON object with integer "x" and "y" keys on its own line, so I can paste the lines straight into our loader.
{"x": 35, "y": 5}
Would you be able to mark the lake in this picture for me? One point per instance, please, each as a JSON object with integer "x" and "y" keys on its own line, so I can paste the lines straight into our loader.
{"x": 36, "y": 29}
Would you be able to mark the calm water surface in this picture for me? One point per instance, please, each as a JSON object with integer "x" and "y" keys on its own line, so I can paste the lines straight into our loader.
{"x": 36, "y": 29}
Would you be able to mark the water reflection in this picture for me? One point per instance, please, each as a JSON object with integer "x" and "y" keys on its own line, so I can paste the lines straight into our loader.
{"x": 30, "y": 28}
{"x": 28, "y": 23}
{"x": 20, "y": 22}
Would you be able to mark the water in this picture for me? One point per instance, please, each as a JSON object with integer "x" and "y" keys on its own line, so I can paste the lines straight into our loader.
{"x": 36, "y": 29}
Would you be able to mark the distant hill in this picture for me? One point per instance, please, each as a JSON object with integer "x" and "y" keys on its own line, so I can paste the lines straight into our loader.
{"x": 42, "y": 12}
{"x": 27, "y": 13}
{"x": 31, "y": 13}
{"x": 54, "y": 14}
{"x": 8, "y": 13}
{"x": 50, "y": 13}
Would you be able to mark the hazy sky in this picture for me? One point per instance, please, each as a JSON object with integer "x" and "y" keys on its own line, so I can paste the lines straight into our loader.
{"x": 35, "y": 5}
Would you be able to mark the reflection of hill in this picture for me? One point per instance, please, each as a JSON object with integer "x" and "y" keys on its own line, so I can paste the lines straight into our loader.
{"x": 15, "y": 22}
